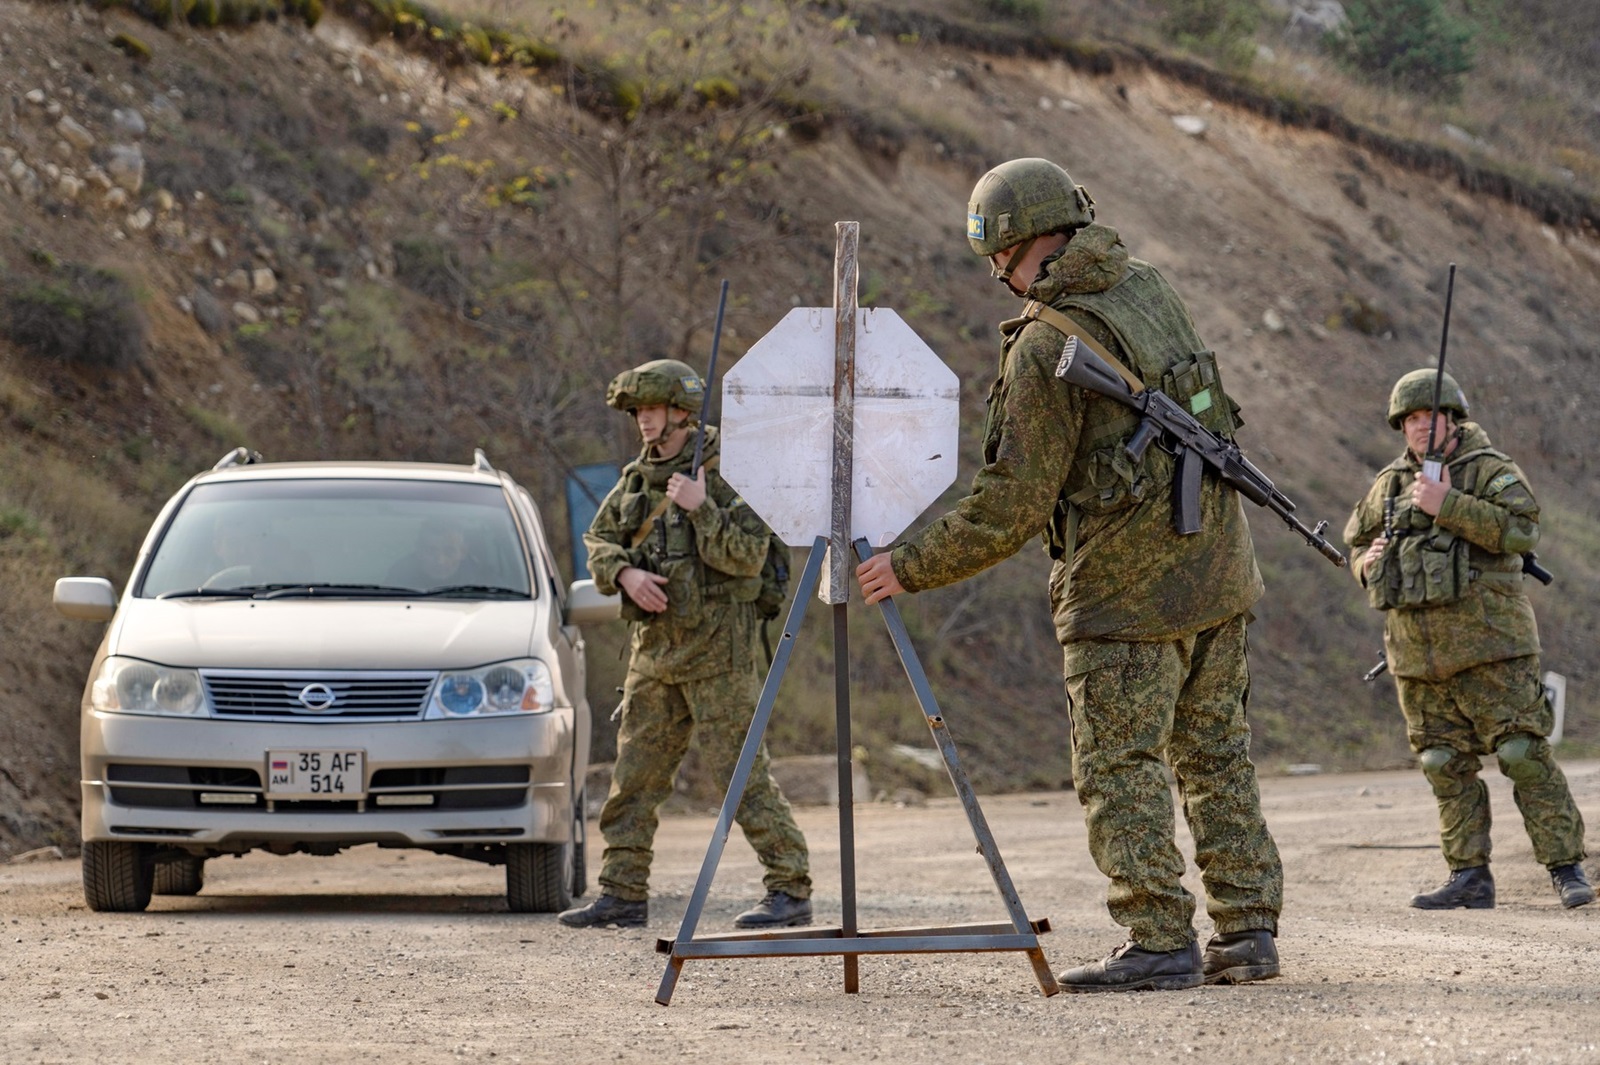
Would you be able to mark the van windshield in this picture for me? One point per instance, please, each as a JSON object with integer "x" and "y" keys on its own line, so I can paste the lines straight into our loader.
{"x": 338, "y": 536}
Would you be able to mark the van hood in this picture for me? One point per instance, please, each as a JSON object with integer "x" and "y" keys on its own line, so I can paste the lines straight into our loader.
{"x": 325, "y": 633}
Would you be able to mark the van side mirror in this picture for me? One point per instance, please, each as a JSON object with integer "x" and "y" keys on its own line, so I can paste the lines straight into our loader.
{"x": 586, "y": 604}
{"x": 85, "y": 598}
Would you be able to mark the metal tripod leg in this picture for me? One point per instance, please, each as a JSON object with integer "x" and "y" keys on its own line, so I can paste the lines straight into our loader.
{"x": 741, "y": 772}
{"x": 958, "y": 777}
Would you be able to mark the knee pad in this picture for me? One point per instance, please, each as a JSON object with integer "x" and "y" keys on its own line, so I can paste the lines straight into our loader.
{"x": 1521, "y": 758}
{"x": 1434, "y": 760}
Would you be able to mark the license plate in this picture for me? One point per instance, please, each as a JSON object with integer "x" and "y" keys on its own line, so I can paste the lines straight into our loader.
{"x": 327, "y": 774}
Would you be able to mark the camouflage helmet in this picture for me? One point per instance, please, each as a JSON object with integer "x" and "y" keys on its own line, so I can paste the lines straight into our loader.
{"x": 1414, "y": 391}
{"x": 1021, "y": 199}
{"x": 665, "y": 381}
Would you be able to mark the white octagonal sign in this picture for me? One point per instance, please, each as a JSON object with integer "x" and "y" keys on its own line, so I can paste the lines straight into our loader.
{"x": 777, "y": 426}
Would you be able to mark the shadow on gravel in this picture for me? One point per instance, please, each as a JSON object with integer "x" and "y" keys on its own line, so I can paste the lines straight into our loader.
{"x": 201, "y": 905}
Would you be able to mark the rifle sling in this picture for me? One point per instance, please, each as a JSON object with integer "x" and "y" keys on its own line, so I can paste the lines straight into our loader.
{"x": 1043, "y": 312}
{"x": 643, "y": 532}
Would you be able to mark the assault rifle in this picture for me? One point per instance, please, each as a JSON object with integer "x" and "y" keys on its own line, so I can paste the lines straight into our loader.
{"x": 1194, "y": 445}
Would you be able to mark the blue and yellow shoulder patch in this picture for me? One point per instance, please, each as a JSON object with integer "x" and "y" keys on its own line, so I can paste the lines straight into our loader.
{"x": 1500, "y": 484}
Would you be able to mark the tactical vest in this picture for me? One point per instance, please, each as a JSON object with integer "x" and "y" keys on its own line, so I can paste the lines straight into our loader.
{"x": 1153, "y": 329}
{"x": 669, "y": 549}
{"x": 1424, "y": 565}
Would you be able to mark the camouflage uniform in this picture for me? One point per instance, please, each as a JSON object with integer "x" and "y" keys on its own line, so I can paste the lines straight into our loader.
{"x": 694, "y": 669}
{"x": 1467, "y": 667}
{"x": 1152, "y": 623}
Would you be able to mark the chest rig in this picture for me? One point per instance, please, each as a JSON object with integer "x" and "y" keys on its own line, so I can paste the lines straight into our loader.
{"x": 1424, "y": 565}
{"x": 662, "y": 541}
{"x": 1154, "y": 330}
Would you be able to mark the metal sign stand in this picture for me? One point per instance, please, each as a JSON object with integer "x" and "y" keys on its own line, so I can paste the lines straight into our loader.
{"x": 846, "y": 939}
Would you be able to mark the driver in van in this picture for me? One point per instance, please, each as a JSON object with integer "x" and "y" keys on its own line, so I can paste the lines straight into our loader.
{"x": 440, "y": 557}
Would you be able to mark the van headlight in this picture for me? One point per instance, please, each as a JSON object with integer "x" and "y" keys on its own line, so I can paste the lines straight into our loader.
{"x": 129, "y": 686}
{"x": 520, "y": 687}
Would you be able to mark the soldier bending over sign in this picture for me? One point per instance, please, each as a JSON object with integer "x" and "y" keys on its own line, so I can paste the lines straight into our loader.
{"x": 1153, "y": 622}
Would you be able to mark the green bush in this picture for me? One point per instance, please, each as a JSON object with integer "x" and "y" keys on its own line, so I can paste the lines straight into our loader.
{"x": 131, "y": 46}
{"x": 1412, "y": 45}
{"x": 428, "y": 267}
{"x": 14, "y": 521}
{"x": 1030, "y": 11}
{"x": 79, "y": 314}
{"x": 475, "y": 44}
{"x": 1224, "y": 29}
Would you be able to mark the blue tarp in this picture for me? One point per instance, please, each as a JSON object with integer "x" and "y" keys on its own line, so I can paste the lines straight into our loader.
{"x": 586, "y": 487}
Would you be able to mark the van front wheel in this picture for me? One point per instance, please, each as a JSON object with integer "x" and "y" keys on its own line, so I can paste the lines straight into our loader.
{"x": 118, "y": 876}
{"x": 539, "y": 877}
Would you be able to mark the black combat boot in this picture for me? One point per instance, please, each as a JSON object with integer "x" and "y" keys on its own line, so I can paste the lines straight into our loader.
{"x": 1467, "y": 889}
{"x": 778, "y": 909}
{"x": 1571, "y": 885}
{"x": 607, "y": 910}
{"x": 1132, "y": 968}
{"x": 1240, "y": 957}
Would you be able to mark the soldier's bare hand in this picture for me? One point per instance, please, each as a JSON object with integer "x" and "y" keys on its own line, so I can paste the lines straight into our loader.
{"x": 644, "y": 588}
{"x": 1427, "y": 495}
{"x": 1375, "y": 552}
{"x": 686, "y": 493}
{"x": 877, "y": 579}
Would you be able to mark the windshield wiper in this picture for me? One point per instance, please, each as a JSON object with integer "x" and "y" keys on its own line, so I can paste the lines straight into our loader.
{"x": 308, "y": 590}
{"x": 208, "y": 593}
{"x": 471, "y": 590}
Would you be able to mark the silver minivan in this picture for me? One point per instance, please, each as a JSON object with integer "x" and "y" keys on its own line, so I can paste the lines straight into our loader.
{"x": 313, "y": 656}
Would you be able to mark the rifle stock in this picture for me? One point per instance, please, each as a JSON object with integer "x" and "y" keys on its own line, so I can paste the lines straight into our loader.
{"x": 1194, "y": 444}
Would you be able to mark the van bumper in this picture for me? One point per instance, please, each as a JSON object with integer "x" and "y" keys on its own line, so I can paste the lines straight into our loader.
{"x": 201, "y": 782}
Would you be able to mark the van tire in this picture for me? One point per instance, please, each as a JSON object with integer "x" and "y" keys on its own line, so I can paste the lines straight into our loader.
{"x": 539, "y": 877}
{"x": 184, "y": 875}
{"x": 118, "y": 877}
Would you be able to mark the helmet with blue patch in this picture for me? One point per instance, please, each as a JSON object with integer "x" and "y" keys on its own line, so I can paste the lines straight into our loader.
{"x": 1021, "y": 199}
{"x": 667, "y": 382}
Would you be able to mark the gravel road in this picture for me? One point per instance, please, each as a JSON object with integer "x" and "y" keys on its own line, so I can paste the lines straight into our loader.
{"x": 398, "y": 957}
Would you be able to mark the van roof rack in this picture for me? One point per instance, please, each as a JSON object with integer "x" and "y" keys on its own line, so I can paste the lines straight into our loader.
{"x": 239, "y": 456}
{"x": 480, "y": 461}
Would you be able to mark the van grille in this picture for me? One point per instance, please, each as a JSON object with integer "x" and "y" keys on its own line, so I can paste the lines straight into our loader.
{"x": 333, "y": 695}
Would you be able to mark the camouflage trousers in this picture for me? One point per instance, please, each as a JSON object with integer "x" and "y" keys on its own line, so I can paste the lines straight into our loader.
{"x": 1138, "y": 707}
{"x": 658, "y": 720}
{"x": 1497, "y": 708}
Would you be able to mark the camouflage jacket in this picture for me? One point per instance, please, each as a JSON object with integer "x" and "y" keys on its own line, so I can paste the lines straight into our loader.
{"x": 711, "y": 556}
{"x": 1053, "y": 467}
{"x": 1492, "y": 509}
